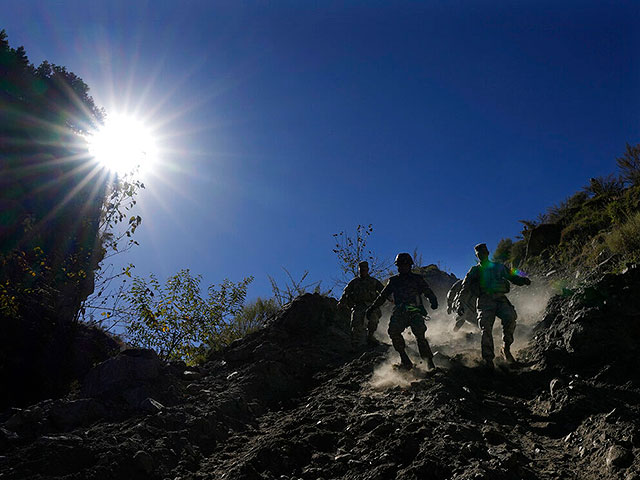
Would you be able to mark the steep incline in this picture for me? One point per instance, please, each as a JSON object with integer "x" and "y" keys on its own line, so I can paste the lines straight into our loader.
{"x": 293, "y": 402}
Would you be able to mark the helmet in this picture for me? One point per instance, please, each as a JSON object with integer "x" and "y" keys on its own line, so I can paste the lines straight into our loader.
{"x": 403, "y": 258}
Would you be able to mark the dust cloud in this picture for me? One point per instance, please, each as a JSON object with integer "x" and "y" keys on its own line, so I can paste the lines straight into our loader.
{"x": 463, "y": 346}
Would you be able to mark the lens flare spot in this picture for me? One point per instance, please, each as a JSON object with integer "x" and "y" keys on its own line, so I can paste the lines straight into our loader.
{"x": 123, "y": 145}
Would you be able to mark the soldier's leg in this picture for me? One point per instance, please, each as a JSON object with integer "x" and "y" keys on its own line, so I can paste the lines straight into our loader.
{"x": 419, "y": 330}
{"x": 486, "y": 318}
{"x": 507, "y": 314}
{"x": 471, "y": 317}
{"x": 358, "y": 331}
{"x": 372, "y": 324}
{"x": 397, "y": 325}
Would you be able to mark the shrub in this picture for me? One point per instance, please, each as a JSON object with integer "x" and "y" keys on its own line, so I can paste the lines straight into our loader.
{"x": 518, "y": 252}
{"x": 625, "y": 239}
{"x": 176, "y": 320}
{"x": 502, "y": 252}
{"x": 610, "y": 186}
{"x": 625, "y": 206}
{"x": 629, "y": 165}
{"x": 251, "y": 318}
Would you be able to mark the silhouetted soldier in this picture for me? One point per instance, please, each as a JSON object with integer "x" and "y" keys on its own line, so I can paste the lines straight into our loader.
{"x": 357, "y": 296}
{"x": 464, "y": 307}
{"x": 407, "y": 289}
{"x": 489, "y": 281}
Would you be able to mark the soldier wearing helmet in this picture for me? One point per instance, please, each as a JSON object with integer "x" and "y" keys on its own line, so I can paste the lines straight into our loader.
{"x": 489, "y": 282}
{"x": 406, "y": 290}
{"x": 357, "y": 296}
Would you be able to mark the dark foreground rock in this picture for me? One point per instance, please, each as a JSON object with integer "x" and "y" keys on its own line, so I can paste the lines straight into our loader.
{"x": 594, "y": 326}
{"x": 293, "y": 402}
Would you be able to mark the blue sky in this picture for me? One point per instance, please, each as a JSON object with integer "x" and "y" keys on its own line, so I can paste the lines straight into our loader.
{"x": 281, "y": 123}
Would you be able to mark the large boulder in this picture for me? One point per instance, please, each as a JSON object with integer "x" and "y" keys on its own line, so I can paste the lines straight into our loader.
{"x": 597, "y": 324}
{"x": 127, "y": 370}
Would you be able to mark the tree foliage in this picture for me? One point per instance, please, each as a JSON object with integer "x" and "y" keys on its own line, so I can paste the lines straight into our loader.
{"x": 54, "y": 221}
{"x": 178, "y": 320}
{"x": 629, "y": 165}
{"x": 608, "y": 185}
{"x": 502, "y": 253}
{"x": 351, "y": 249}
{"x": 51, "y": 198}
{"x": 62, "y": 215}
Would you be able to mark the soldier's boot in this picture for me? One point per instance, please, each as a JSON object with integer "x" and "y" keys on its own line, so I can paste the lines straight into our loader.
{"x": 399, "y": 345}
{"x": 429, "y": 364}
{"x": 405, "y": 361}
{"x": 506, "y": 353}
{"x": 426, "y": 354}
{"x": 458, "y": 324}
{"x": 487, "y": 365}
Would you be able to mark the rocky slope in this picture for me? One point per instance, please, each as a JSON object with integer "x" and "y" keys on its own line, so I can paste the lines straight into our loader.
{"x": 292, "y": 401}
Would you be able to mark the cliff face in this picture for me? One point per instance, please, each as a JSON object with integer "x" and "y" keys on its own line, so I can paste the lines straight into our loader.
{"x": 51, "y": 198}
{"x": 293, "y": 401}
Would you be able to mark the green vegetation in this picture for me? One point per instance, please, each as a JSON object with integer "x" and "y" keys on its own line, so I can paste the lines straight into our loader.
{"x": 60, "y": 217}
{"x": 51, "y": 241}
{"x": 179, "y": 322}
{"x": 599, "y": 223}
{"x": 624, "y": 240}
{"x": 629, "y": 165}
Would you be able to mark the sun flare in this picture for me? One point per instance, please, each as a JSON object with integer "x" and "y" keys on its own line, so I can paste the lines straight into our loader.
{"x": 124, "y": 144}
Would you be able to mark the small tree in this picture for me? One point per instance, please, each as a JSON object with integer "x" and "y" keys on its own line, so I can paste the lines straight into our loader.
{"x": 629, "y": 165}
{"x": 117, "y": 227}
{"x": 352, "y": 249}
{"x": 176, "y": 320}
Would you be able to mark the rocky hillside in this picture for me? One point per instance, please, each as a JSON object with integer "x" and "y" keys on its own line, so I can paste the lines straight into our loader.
{"x": 292, "y": 401}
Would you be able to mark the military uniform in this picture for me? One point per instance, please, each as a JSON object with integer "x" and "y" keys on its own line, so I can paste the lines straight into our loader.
{"x": 406, "y": 290}
{"x": 489, "y": 281}
{"x": 463, "y": 306}
{"x": 358, "y": 295}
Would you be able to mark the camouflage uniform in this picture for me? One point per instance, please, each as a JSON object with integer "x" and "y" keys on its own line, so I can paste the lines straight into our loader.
{"x": 489, "y": 281}
{"x": 358, "y": 295}
{"x": 464, "y": 306}
{"x": 406, "y": 289}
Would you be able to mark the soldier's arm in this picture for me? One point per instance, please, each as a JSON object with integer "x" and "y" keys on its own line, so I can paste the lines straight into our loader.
{"x": 426, "y": 290}
{"x": 384, "y": 295}
{"x": 345, "y": 299}
{"x": 470, "y": 287}
{"x": 513, "y": 277}
{"x": 451, "y": 295}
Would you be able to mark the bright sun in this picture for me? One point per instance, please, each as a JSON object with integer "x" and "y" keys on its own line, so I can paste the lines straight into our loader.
{"x": 123, "y": 144}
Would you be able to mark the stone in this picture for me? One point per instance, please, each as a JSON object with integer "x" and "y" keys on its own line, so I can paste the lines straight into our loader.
{"x": 618, "y": 457}
{"x": 71, "y": 414}
{"x": 144, "y": 461}
{"x": 125, "y": 370}
{"x": 151, "y": 406}
{"x": 190, "y": 375}
{"x": 556, "y": 385}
